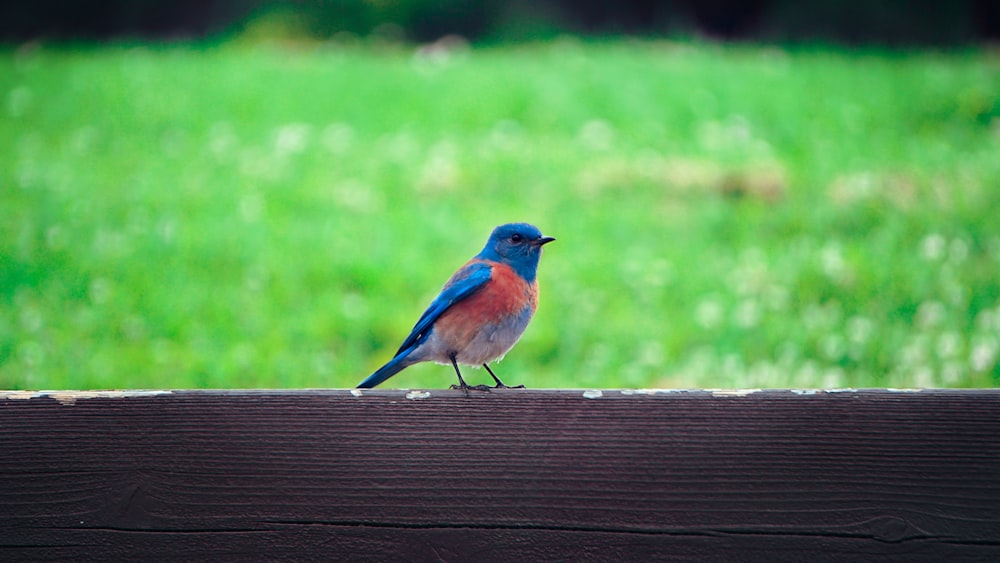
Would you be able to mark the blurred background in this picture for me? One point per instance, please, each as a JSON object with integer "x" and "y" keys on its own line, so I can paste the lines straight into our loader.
{"x": 881, "y": 21}
{"x": 239, "y": 193}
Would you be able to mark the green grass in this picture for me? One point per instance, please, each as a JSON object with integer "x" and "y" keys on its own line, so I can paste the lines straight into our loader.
{"x": 237, "y": 216}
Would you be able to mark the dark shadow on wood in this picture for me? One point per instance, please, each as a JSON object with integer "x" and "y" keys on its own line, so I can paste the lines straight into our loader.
{"x": 507, "y": 475}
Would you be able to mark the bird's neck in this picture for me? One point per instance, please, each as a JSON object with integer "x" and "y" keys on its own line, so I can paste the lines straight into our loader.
{"x": 524, "y": 266}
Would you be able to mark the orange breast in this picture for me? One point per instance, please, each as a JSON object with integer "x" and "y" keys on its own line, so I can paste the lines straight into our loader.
{"x": 505, "y": 295}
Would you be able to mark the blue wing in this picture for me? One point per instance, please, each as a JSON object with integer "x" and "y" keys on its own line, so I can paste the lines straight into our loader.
{"x": 464, "y": 283}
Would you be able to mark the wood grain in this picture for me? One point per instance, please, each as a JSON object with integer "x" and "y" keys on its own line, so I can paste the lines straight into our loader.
{"x": 534, "y": 475}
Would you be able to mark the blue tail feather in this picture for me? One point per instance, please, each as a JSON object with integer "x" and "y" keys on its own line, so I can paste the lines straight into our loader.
{"x": 390, "y": 369}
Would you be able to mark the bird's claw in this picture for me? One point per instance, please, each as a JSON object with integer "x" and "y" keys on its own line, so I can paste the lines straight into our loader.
{"x": 505, "y": 386}
{"x": 474, "y": 387}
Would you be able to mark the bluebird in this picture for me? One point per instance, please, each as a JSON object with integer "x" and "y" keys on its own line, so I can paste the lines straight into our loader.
{"x": 481, "y": 311}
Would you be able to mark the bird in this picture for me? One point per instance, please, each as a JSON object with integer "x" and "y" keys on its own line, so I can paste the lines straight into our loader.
{"x": 482, "y": 309}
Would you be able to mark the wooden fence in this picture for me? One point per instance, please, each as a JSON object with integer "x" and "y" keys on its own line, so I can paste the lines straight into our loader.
{"x": 509, "y": 475}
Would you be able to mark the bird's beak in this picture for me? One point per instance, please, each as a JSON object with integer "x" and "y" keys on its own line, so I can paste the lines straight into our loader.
{"x": 542, "y": 241}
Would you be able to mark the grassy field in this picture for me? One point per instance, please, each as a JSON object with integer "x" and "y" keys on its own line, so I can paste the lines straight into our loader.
{"x": 279, "y": 216}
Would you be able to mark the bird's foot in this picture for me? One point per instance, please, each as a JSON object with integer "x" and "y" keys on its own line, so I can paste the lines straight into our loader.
{"x": 501, "y": 385}
{"x": 473, "y": 387}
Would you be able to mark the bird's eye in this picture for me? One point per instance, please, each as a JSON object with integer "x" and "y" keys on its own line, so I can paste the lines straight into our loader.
{"x": 516, "y": 238}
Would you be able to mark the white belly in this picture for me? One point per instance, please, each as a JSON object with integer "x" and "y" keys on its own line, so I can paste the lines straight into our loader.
{"x": 490, "y": 343}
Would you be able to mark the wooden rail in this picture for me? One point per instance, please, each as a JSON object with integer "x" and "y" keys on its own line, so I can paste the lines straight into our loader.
{"x": 509, "y": 475}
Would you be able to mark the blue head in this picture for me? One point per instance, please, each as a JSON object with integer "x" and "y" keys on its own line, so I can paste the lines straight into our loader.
{"x": 518, "y": 245}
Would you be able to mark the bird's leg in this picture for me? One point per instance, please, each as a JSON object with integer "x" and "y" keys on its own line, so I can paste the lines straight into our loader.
{"x": 462, "y": 384}
{"x": 501, "y": 384}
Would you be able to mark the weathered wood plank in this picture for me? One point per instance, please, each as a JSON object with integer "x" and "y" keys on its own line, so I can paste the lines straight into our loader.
{"x": 531, "y": 475}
